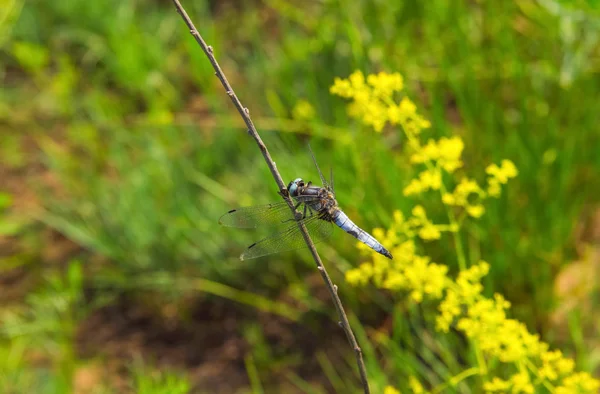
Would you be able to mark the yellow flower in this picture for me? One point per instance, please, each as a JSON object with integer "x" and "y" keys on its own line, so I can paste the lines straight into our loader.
{"x": 503, "y": 173}
{"x": 449, "y": 199}
{"x": 450, "y": 150}
{"x": 493, "y": 187}
{"x": 407, "y": 108}
{"x": 378, "y": 233}
{"x": 381, "y": 268}
{"x": 521, "y": 383}
{"x": 475, "y": 210}
{"x": 446, "y": 152}
{"x": 406, "y": 252}
{"x": 394, "y": 281}
{"x": 373, "y": 103}
{"x": 398, "y": 216}
{"x": 461, "y": 194}
{"x": 509, "y": 168}
{"x": 518, "y": 383}
{"x": 341, "y": 87}
{"x": 565, "y": 365}
{"x": 374, "y": 114}
{"x": 419, "y": 212}
{"x": 429, "y": 232}
{"x": 384, "y": 84}
{"x": 499, "y": 175}
{"x": 395, "y": 114}
{"x": 357, "y": 79}
{"x": 390, "y": 390}
{"x": 414, "y": 187}
{"x": 360, "y": 276}
{"x": 463, "y": 190}
{"x": 497, "y": 385}
{"x": 432, "y": 179}
{"x": 462, "y": 304}
{"x": 449, "y": 308}
{"x": 424, "y": 277}
{"x": 428, "y": 180}
{"x": 415, "y": 385}
{"x": 580, "y": 382}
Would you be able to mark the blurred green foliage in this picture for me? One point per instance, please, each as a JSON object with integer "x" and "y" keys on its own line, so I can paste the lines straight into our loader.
{"x": 142, "y": 151}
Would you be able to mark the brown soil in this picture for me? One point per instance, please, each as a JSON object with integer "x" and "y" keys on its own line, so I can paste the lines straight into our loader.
{"x": 209, "y": 344}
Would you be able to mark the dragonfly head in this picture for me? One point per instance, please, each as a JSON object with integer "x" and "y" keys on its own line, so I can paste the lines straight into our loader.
{"x": 294, "y": 185}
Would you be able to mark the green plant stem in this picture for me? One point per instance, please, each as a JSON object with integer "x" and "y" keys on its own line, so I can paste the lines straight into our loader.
{"x": 245, "y": 114}
{"x": 535, "y": 370}
{"x": 252, "y": 372}
{"x": 480, "y": 359}
{"x": 456, "y": 379}
{"x": 244, "y": 297}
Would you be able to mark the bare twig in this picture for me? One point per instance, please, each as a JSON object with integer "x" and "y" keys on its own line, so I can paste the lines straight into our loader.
{"x": 245, "y": 114}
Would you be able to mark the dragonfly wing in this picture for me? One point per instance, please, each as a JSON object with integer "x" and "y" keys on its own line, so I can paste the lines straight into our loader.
{"x": 326, "y": 184}
{"x": 261, "y": 215}
{"x": 251, "y": 217}
{"x": 290, "y": 238}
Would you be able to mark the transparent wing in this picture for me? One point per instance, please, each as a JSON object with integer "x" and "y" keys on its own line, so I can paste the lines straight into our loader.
{"x": 291, "y": 238}
{"x": 323, "y": 181}
{"x": 261, "y": 215}
{"x": 326, "y": 184}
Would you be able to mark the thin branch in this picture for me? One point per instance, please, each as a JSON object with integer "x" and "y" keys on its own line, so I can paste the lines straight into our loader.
{"x": 245, "y": 114}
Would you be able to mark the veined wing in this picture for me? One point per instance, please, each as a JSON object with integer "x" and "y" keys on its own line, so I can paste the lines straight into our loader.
{"x": 261, "y": 215}
{"x": 326, "y": 184}
{"x": 290, "y": 238}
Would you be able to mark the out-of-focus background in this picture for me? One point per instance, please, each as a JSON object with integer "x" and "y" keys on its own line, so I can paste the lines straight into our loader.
{"x": 120, "y": 150}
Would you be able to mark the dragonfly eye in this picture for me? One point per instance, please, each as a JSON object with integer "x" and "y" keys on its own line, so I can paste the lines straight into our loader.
{"x": 293, "y": 186}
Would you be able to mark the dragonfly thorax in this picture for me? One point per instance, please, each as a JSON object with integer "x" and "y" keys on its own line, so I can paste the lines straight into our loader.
{"x": 317, "y": 198}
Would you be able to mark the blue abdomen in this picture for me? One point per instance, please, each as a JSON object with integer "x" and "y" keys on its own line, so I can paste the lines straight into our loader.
{"x": 343, "y": 221}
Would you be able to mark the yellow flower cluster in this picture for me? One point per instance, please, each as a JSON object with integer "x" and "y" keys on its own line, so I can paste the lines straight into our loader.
{"x": 390, "y": 390}
{"x": 446, "y": 153}
{"x": 469, "y": 195}
{"x": 461, "y": 194}
{"x": 580, "y": 382}
{"x": 468, "y": 287}
{"x": 483, "y": 320}
{"x": 521, "y": 382}
{"x": 499, "y": 176}
{"x": 408, "y": 271}
{"x": 462, "y": 304}
{"x": 506, "y": 339}
{"x": 427, "y": 230}
{"x": 518, "y": 383}
{"x": 372, "y": 103}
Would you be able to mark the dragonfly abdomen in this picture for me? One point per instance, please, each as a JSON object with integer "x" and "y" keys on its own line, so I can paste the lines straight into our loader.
{"x": 345, "y": 223}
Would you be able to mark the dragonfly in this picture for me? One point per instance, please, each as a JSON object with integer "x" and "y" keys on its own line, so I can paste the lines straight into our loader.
{"x": 318, "y": 211}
